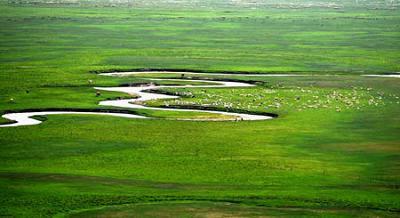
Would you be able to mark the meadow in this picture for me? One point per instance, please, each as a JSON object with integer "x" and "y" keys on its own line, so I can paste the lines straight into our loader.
{"x": 333, "y": 150}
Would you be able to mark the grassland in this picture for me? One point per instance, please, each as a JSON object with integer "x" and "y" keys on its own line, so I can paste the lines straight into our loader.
{"x": 333, "y": 155}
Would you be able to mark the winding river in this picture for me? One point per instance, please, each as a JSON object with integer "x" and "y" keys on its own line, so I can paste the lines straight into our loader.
{"x": 384, "y": 75}
{"x": 25, "y": 118}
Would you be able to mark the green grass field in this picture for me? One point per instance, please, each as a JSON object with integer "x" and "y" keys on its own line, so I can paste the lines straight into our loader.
{"x": 333, "y": 150}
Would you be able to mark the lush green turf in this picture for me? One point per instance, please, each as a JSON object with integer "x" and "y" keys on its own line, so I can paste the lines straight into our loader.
{"x": 333, "y": 150}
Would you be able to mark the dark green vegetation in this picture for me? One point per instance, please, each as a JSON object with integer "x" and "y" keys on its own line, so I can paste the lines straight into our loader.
{"x": 338, "y": 160}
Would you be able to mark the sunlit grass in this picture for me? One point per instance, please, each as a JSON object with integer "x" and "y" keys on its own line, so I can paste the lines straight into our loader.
{"x": 333, "y": 150}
